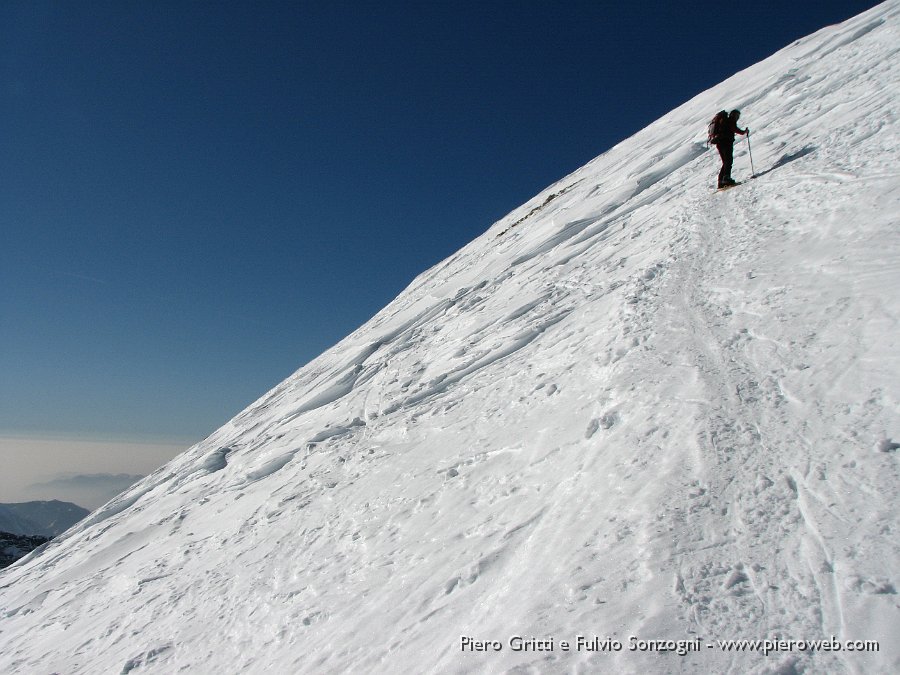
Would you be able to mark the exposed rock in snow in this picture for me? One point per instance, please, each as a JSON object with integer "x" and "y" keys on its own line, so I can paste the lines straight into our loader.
{"x": 15, "y": 546}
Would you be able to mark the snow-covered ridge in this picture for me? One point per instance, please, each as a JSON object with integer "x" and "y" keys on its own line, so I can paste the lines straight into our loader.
{"x": 633, "y": 407}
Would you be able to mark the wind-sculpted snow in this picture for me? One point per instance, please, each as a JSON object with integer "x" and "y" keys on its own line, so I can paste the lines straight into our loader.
{"x": 633, "y": 407}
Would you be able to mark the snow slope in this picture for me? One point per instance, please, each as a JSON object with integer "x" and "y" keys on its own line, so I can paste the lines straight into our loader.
{"x": 633, "y": 407}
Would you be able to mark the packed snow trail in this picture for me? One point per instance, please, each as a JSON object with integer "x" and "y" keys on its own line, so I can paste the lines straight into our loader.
{"x": 633, "y": 407}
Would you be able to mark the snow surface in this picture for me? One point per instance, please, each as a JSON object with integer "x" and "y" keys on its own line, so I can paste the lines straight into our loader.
{"x": 633, "y": 407}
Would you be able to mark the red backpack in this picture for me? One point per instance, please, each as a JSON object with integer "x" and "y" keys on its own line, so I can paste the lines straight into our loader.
{"x": 716, "y": 127}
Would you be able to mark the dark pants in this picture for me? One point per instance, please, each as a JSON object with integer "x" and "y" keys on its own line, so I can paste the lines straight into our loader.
{"x": 726, "y": 152}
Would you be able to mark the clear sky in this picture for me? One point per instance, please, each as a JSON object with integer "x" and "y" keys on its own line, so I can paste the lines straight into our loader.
{"x": 196, "y": 198}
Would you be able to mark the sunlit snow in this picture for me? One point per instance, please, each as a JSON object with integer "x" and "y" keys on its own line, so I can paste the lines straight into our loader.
{"x": 634, "y": 407}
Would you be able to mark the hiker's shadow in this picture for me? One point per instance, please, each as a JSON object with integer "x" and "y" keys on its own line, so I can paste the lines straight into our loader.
{"x": 787, "y": 159}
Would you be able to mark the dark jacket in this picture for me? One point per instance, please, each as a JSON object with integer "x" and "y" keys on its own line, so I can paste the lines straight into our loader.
{"x": 727, "y": 132}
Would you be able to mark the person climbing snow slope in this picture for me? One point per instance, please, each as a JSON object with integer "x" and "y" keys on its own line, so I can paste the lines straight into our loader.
{"x": 722, "y": 130}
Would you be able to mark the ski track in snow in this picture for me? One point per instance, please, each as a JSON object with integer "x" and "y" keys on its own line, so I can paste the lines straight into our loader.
{"x": 634, "y": 407}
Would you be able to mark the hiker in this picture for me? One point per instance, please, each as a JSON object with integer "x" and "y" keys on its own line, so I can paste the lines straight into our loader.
{"x": 722, "y": 130}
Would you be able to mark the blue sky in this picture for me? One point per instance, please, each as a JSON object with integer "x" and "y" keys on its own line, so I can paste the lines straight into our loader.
{"x": 198, "y": 198}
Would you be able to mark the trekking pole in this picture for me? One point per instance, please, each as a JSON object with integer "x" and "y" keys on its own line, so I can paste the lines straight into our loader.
{"x": 750, "y": 152}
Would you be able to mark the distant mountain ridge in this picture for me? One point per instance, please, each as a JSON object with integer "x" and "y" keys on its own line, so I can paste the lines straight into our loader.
{"x": 40, "y": 518}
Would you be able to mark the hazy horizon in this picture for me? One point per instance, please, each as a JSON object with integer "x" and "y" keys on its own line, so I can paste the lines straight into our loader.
{"x": 85, "y": 472}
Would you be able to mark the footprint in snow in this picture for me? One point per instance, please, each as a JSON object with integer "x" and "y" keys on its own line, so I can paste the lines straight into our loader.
{"x": 886, "y": 445}
{"x": 879, "y": 586}
{"x": 606, "y": 421}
